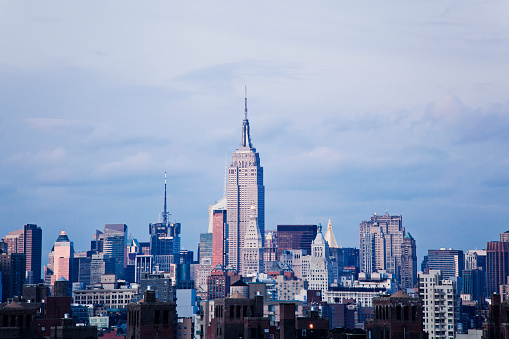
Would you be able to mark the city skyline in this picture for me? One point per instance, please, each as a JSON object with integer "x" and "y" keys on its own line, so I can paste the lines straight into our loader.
{"x": 401, "y": 108}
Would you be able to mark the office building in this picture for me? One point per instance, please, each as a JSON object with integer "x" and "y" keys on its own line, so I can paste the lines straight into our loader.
{"x": 380, "y": 240}
{"x": 219, "y": 237}
{"x": 497, "y": 265}
{"x": 12, "y": 277}
{"x": 27, "y": 241}
{"x": 251, "y": 253}
{"x": 60, "y": 261}
{"x": 205, "y": 249}
{"x": 450, "y": 262}
{"x": 245, "y": 187}
{"x": 295, "y": 237}
{"x": 317, "y": 267}
{"x": 440, "y": 304}
{"x": 475, "y": 259}
{"x": 408, "y": 263}
{"x": 115, "y": 242}
{"x": 165, "y": 235}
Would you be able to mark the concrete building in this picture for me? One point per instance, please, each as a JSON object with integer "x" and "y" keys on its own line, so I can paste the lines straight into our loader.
{"x": 380, "y": 240}
{"x": 497, "y": 325}
{"x": 18, "y": 320}
{"x": 408, "y": 270}
{"x": 115, "y": 245}
{"x": 396, "y": 316}
{"x": 270, "y": 246}
{"x": 110, "y": 294}
{"x": 251, "y": 253}
{"x": 440, "y": 304}
{"x": 245, "y": 187}
{"x": 317, "y": 267}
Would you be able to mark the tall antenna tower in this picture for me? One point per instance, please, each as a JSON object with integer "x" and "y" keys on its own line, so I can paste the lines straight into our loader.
{"x": 165, "y": 214}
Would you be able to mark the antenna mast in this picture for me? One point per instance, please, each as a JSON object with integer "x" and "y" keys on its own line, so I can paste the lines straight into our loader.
{"x": 165, "y": 211}
{"x": 245, "y": 103}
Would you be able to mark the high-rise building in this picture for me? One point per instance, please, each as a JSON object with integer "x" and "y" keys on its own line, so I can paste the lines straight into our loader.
{"x": 12, "y": 273}
{"x": 165, "y": 235}
{"x": 408, "y": 263}
{"x": 115, "y": 245}
{"x": 245, "y": 187}
{"x": 295, "y": 237}
{"x": 251, "y": 253}
{"x": 205, "y": 249}
{"x": 450, "y": 262}
{"x": 219, "y": 237}
{"x": 440, "y": 304}
{"x": 497, "y": 264}
{"x": 27, "y": 241}
{"x": 270, "y": 246}
{"x": 317, "y": 267}
{"x": 60, "y": 261}
{"x": 380, "y": 240}
{"x": 33, "y": 251}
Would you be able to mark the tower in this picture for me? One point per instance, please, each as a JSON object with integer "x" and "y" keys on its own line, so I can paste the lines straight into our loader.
{"x": 245, "y": 187}
{"x": 408, "y": 262}
{"x": 60, "y": 260}
{"x": 165, "y": 235}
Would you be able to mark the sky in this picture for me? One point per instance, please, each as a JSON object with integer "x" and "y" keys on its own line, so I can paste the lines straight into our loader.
{"x": 356, "y": 107}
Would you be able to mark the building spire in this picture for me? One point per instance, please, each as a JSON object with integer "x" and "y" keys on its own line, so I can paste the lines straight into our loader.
{"x": 246, "y": 137}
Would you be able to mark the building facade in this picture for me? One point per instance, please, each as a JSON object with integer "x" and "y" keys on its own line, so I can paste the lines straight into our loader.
{"x": 440, "y": 305}
{"x": 245, "y": 187}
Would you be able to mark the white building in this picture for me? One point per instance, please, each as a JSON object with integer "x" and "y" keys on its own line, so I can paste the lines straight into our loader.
{"x": 251, "y": 253}
{"x": 440, "y": 305}
{"x": 317, "y": 267}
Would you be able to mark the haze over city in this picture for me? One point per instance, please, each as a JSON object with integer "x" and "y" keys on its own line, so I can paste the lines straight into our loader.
{"x": 354, "y": 108}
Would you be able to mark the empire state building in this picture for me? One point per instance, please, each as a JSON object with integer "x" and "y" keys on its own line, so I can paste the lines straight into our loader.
{"x": 245, "y": 188}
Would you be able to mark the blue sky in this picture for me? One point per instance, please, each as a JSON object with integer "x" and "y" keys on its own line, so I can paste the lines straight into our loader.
{"x": 355, "y": 108}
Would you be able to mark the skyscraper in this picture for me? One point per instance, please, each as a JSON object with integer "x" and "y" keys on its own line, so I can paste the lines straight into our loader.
{"x": 33, "y": 251}
{"x": 450, "y": 262}
{"x": 60, "y": 260}
{"x": 380, "y": 240}
{"x": 27, "y": 241}
{"x": 408, "y": 263}
{"x": 497, "y": 264}
{"x": 245, "y": 187}
{"x": 115, "y": 242}
{"x": 165, "y": 235}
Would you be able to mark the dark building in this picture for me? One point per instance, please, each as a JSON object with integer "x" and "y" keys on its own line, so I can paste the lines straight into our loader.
{"x": 497, "y": 265}
{"x": 150, "y": 318}
{"x": 295, "y": 237}
{"x": 396, "y": 316}
{"x": 35, "y": 293}
{"x": 408, "y": 271}
{"x": 33, "y": 251}
{"x": 230, "y": 313}
{"x": 474, "y": 283}
{"x": 497, "y": 325}
{"x": 17, "y": 320}
{"x": 159, "y": 283}
{"x": 312, "y": 326}
{"x": 12, "y": 267}
{"x": 450, "y": 262}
